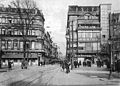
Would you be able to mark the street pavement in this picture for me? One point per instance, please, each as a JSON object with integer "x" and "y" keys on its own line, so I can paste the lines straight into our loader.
{"x": 53, "y": 75}
{"x": 85, "y": 76}
{"x": 24, "y": 77}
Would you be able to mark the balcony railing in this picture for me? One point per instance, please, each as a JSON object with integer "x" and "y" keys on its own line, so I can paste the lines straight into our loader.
{"x": 92, "y": 21}
{"x": 82, "y": 12}
{"x": 89, "y": 28}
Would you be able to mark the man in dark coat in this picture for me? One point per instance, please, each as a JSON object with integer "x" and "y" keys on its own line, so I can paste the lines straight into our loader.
{"x": 67, "y": 67}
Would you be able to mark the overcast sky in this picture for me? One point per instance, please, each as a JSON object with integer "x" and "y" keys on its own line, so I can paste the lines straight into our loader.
{"x": 55, "y": 13}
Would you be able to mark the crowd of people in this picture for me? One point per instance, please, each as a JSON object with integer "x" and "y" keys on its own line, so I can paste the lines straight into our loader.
{"x": 66, "y": 64}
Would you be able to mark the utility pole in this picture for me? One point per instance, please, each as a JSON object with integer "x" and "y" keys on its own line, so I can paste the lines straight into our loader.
{"x": 72, "y": 49}
{"x": 77, "y": 38}
{"x": 110, "y": 45}
{"x": 1, "y": 48}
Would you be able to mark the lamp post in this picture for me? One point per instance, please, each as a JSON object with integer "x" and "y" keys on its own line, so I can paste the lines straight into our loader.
{"x": 110, "y": 47}
{"x": 1, "y": 47}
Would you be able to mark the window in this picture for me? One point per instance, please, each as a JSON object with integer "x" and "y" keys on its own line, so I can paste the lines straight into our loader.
{"x": 27, "y": 45}
{"x": 33, "y": 45}
{"x": 79, "y": 9}
{"x": 89, "y": 9}
{"x": 94, "y": 35}
{"x": 15, "y": 32}
{"x": 0, "y": 20}
{"x": 0, "y": 31}
{"x": 73, "y": 8}
{"x": 88, "y": 46}
{"x": 95, "y": 9}
{"x": 33, "y": 32}
{"x": 81, "y": 46}
{"x": 21, "y": 45}
{"x": 85, "y": 9}
{"x": 9, "y": 44}
{"x": 15, "y": 44}
{"x": 3, "y": 20}
{"x": 3, "y": 44}
{"x": 3, "y": 31}
{"x": 88, "y": 35}
{"x": 9, "y": 32}
{"x": 29, "y": 32}
{"x": 95, "y": 46}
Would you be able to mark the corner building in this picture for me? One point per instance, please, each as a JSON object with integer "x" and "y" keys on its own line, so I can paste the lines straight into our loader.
{"x": 11, "y": 37}
{"x": 87, "y": 29}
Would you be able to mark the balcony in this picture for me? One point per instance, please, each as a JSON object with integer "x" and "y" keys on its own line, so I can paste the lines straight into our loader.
{"x": 89, "y": 28}
{"x": 27, "y": 51}
{"x": 82, "y": 12}
{"x": 86, "y": 21}
{"x": 88, "y": 40}
{"x": 88, "y": 52}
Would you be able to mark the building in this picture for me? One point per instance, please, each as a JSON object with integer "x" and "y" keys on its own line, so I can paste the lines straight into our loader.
{"x": 115, "y": 35}
{"x": 11, "y": 36}
{"x": 48, "y": 46}
{"x": 87, "y": 29}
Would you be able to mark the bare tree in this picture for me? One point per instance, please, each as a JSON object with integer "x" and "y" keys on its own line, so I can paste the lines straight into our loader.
{"x": 25, "y": 9}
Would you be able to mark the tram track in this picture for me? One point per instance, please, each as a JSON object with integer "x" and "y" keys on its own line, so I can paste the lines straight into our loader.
{"x": 27, "y": 81}
{"x": 13, "y": 71}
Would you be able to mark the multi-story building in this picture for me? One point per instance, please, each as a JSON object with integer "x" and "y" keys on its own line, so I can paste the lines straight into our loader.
{"x": 105, "y": 9}
{"x": 48, "y": 46}
{"x": 11, "y": 37}
{"x": 51, "y": 49}
{"x": 115, "y": 34}
{"x": 87, "y": 28}
{"x": 54, "y": 50}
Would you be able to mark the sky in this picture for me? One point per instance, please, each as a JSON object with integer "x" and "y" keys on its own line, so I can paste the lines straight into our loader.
{"x": 55, "y": 13}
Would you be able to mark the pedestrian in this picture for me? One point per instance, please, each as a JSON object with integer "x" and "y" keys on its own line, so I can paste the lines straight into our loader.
{"x": 9, "y": 65}
{"x": 67, "y": 64}
{"x": 118, "y": 65}
{"x": 75, "y": 64}
{"x": 63, "y": 65}
{"x": 84, "y": 63}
